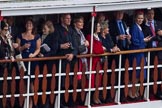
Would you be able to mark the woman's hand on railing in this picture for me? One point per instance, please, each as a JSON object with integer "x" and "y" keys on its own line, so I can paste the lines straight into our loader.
{"x": 40, "y": 55}
{"x": 115, "y": 49}
{"x": 104, "y": 48}
{"x": 12, "y": 58}
{"x": 69, "y": 57}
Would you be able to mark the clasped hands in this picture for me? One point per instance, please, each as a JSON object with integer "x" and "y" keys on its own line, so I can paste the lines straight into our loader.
{"x": 122, "y": 37}
{"x": 115, "y": 49}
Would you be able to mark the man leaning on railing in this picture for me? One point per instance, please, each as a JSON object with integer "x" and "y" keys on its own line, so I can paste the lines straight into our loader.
{"x": 153, "y": 28}
{"x": 67, "y": 48}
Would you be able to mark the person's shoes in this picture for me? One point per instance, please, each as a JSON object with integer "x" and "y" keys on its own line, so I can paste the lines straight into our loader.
{"x": 103, "y": 100}
{"x": 124, "y": 100}
{"x": 99, "y": 101}
{"x": 130, "y": 99}
{"x": 96, "y": 102}
{"x": 138, "y": 98}
{"x": 159, "y": 96}
{"x": 63, "y": 106}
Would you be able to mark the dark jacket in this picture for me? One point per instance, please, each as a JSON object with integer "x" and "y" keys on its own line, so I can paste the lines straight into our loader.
{"x": 114, "y": 32}
{"x": 77, "y": 38}
{"x": 64, "y": 37}
{"x": 147, "y": 32}
{"x": 52, "y": 41}
{"x": 107, "y": 42}
{"x": 160, "y": 45}
{"x": 5, "y": 51}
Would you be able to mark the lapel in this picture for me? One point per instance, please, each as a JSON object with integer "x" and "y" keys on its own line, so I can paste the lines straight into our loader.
{"x": 116, "y": 27}
{"x": 109, "y": 40}
{"x": 46, "y": 40}
{"x": 156, "y": 26}
{"x": 140, "y": 32}
{"x": 125, "y": 26}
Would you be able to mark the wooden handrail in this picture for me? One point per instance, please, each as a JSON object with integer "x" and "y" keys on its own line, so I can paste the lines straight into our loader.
{"x": 85, "y": 55}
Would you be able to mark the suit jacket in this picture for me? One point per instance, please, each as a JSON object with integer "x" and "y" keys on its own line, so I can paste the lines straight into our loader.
{"x": 4, "y": 48}
{"x": 52, "y": 41}
{"x": 107, "y": 42}
{"x": 64, "y": 37}
{"x": 114, "y": 32}
{"x": 160, "y": 45}
{"x": 137, "y": 37}
{"x": 77, "y": 38}
{"x": 147, "y": 32}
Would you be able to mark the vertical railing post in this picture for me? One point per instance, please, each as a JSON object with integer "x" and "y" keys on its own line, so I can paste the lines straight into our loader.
{"x": 91, "y": 49}
{"x": 28, "y": 85}
{"x": 119, "y": 78}
{"x": 148, "y": 76}
{"x": 59, "y": 84}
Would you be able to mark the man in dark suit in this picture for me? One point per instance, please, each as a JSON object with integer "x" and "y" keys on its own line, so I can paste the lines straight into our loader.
{"x": 67, "y": 48}
{"x": 153, "y": 28}
{"x": 119, "y": 33}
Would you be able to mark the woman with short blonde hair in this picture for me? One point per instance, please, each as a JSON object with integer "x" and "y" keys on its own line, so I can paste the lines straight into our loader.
{"x": 50, "y": 26}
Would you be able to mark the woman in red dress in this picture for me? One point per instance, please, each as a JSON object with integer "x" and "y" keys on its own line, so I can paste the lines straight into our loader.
{"x": 97, "y": 49}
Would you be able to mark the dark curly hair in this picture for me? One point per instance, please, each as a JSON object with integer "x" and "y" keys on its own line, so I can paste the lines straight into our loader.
{"x": 3, "y": 25}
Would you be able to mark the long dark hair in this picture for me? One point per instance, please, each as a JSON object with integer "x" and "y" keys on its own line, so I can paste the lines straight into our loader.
{"x": 3, "y": 25}
{"x": 34, "y": 32}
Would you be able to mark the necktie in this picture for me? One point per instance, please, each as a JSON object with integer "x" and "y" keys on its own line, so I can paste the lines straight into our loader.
{"x": 122, "y": 33}
{"x": 154, "y": 43}
{"x": 121, "y": 28}
{"x": 152, "y": 29}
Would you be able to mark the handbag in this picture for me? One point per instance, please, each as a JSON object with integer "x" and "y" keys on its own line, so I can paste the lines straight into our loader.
{"x": 20, "y": 63}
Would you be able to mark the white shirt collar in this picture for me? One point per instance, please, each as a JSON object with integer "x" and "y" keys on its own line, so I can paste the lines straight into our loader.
{"x": 96, "y": 36}
{"x": 139, "y": 27}
{"x": 148, "y": 22}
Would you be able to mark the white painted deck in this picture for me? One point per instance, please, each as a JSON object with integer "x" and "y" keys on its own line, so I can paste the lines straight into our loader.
{"x": 151, "y": 104}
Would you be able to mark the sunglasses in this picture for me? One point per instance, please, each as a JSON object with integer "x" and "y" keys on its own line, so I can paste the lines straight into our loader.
{"x": 5, "y": 29}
